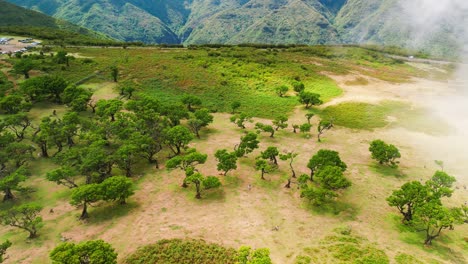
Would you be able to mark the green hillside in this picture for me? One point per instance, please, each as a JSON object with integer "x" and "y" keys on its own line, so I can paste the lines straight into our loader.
{"x": 12, "y": 15}
{"x": 252, "y": 21}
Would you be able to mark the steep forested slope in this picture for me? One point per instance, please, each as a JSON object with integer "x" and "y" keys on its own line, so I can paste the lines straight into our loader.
{"x": 254, "y": 21}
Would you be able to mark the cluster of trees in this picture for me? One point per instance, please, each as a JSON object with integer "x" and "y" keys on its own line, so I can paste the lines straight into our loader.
{"x": 326, "y": 177}
{"x": 93, "y": 251}
{"x": 89, "y": 151}
{"x": 421, "y": 207}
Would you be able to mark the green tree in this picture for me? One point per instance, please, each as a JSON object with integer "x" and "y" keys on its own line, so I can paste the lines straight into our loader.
{"x": 3, "y": 248}
{"x": 126, "y": 157}
{"x": 434, "y": 217}
{"x": 148, "y": 146}
{"x": 114, "y": 72}
{"x": 24, "y": 66}
{"x": 13, "y": 104}
{"x": 85, "y": 195}
{"x": 247, "y": 255}
{"x": 295, "y": 128}
{"x": 191, "y": 101}
{"x": 54, "y": 86}
{"x": 309, "y": 117}
{"x": 317, "y": 196}
{"x": 20, "y": 153}
{"x": 305, "y": 129}
{"x": 226, "y": 160}
{"x": 178, "y": 138}
{"x": 87, "y": 252}
{"x": 280, "y": 122}
{"x": 309, "y": 99}
{"x": 248, "y": 143}
{"x": 199, "y": 180}
{"x": 117, "y": 188}
{"x": 187, "y": 162}
{"x": 175, "y": 113}
{"x": 201, "y": 118}
{"x": 76, "y": 97}
{"x": 384, "y": 153}
{"x": 322, "y": 127}
{"x": 298, "y": 87}
{"x": 289, "y": 156}
{"x": 270, "y": 153}
{"x": 63, "y": 176}
{"x": 240, "y": 119}
{"x": 61, "y": 57}
{"x": 408, "y": 198}
{"x": 441, "y": 185}
{"x": 25, "y": 216}
{"x": 17, "y": 123}
{"x": 263, "y": 166}
{"x": 10, "y": 181}
{"x": 332, "y": 178}
{"x": 265, "y": 128}
{"x": 234, "y": 106}
{"x": 109, "y": 108}
{"x": 281, "y": 90}
{"x": 324, "y": 158}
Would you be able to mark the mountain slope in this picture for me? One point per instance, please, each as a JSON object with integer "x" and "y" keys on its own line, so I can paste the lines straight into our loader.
{"x": 254, "y": 21}
{"x": 19, "y": 21}
{"x": 387, "y": 22}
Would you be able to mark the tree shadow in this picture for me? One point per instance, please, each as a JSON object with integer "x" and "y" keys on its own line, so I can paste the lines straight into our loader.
{"x": 387, "y": 171}
{"x": 112, "y": 211}
{"x": 343, "y": 210}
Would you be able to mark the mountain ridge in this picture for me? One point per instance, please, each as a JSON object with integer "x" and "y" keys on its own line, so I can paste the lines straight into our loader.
{"x": 242, "y": 21}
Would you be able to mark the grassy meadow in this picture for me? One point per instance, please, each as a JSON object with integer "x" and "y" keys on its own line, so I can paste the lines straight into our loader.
{"x": 359, "y": 227}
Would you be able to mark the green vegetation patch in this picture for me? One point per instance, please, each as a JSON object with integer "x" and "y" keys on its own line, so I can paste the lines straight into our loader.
{"x": 343, "y": 247}
{"x": 403, "y": 258}
{"x": 178, "y": 251}
{"x": 358, "y": 115}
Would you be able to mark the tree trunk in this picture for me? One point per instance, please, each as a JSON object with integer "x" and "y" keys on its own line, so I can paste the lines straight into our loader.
{"x": 32, "y": 233}
{"x": 311, "y": 175}
{"x": 70, "y": 142}
{"x": 292, "y": 170}
{"x": 263, "y": 173}
{"x": 84, "y": 213}
{"x": 26, "y": 75}
{"x": 318, "y": 137}
{"x": 407, "y": 216}
{"x": 184, "y": 184}
{"x": 430, "y": 237}
{"x": 112, "y": 118}
{"x": 294, "y": 130}
{"x": 275, "y": 161}
{"x": 8, "y": 195}
{"x": 44, "y": 152}
{"x": 197, "y": 186}
{"x": 272, "y": 134}
{"x": 288, "y": 185}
